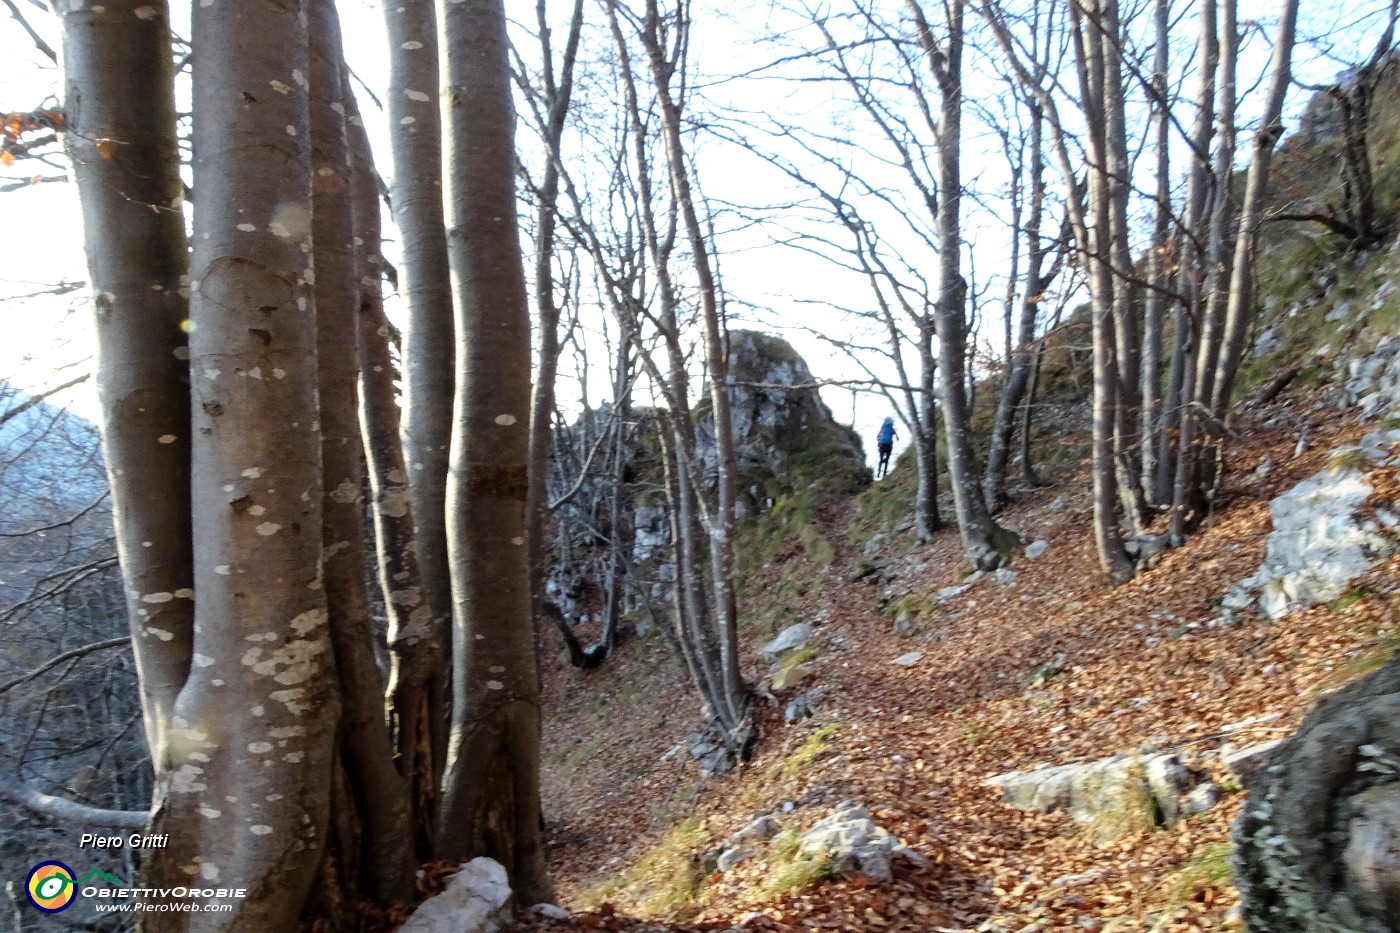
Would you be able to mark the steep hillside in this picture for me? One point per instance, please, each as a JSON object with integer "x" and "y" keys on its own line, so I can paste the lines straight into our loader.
{"x": 914, "y": 685}
{"x": 1048, "y": 666}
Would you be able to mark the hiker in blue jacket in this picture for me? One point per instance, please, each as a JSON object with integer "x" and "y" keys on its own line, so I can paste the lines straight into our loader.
{"x": 884, "y": 441}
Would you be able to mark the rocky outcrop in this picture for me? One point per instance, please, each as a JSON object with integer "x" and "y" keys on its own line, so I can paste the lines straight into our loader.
{"x": 847, "y": 839}
{"x": 1323, "y": 537}
{"x": 790, "y": 639}
{"x": 787, "y": 442}
{"x": 1159, "y": 785}
{"x": 1315, "y": 844}
{"x": 785, "y": 437}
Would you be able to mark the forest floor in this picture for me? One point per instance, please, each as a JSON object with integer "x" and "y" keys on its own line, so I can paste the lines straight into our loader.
{"x": 629, "y": 815}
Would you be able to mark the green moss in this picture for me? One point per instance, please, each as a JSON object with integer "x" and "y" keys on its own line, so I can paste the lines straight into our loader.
{"x": 977, "y": 731}
{"x": 1128, "y": 810}
{"x": 567, "y": 760}
{"x": 1387, "y": 643}
{"x": 800, "y": 656}
{"x": 1045, "y": 672}
{"x": 1350, "y": 598}
{"x": 668, "y": 879}
{"x": 886, "y": 503}
{"x": 788, "y": 869}
{"x": 816, "y": 743}
{"x": 1353, "y": 458}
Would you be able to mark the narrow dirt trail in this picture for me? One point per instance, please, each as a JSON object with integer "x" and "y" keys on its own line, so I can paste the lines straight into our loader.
{"x": 1142, "y": 665}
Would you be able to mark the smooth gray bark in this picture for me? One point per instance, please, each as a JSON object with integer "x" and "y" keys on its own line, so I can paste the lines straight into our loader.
{"x": 425, "y": 285}
{"x": 491, "y": 802}
{"x": 1240, "y": 311}
{"x": 985, "y": 542}
{"x": 256, "y": 720}
{"x": 558, "y": 89}
{"x": 382, "y": 863}
{"x": 417, "y": 671}
{"x": 118, "y": 88}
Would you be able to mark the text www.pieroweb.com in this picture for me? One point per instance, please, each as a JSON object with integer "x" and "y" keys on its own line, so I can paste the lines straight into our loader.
{"x": 146, "y": 907}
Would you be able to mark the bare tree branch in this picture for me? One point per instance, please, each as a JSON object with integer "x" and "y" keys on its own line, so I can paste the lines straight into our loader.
{"x": 582, "y": 475}
{"x": 38, "y": 40}
{"x": 53, "y": 662}
{"x": 60, "y": 524}
{"x": 64, "y": 810}
{"x": 36, "y": 399}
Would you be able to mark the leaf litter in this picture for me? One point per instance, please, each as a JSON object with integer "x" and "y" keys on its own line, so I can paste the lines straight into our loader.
{"x": 1053, "y": 667}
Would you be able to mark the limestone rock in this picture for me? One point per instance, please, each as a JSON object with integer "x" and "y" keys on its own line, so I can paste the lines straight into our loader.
{"x": 653, "y": 531}
{"x": 803, "y": 705}
{"x": 1088, "y": 789}
{"x": 474, "y": 902}
{"x": 1372, "y": 856}
{"x": 785, "y": 437}
{"x": 711, "y": 755}
{"x": 1246, "y": 762}
{"x": 908, "y": 660}
{"x": 1203, "y": 798}
{"x": 791, "y": 676}
{"x": 729, "y": 858}
{"x": 550, "y": 912}
{"x": 789, "y": 639}
{"x": 875, "y": 545}
{"x": 851, "y": 839}
{"x": 1320, "y": 542}
{"x": 1168, "y": 779}
{"x": 1037, "y": 548}
{"x": 759, "y": 830}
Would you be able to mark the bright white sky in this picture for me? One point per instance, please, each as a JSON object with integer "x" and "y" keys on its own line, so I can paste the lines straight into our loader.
{"x": 773, "y": 287}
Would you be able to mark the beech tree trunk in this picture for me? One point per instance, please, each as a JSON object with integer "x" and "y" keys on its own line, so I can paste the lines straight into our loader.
{"x": 417, "y": 672}
{"x": 924, "y": 427}
{"x": 1028, "y": 474}
{"x": 491, "y": 802}
{"x": 426, "y": 288}
{"x": 1023, "y": 343}
{"x": 1240, "y": 311}
{"x": 1099, "y": 241}
{"x": 1159, "y": 262}
{"x": 617, "y": 498}
{"x": 1107, "y": 37}
{"x": 1178, "y": 429}
{"x": 118, "y": 87}
{"x": 700, "y": 608}
{"x": 732, "y": 694}
{"x": 256, "y": 720}
{"x": 384, "y": 857}
{"x": 557, "y": 91}
{"x": 985, "y": 542}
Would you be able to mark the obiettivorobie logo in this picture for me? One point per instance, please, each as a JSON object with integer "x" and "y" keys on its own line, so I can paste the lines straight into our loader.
{"x": 52, "y": 887}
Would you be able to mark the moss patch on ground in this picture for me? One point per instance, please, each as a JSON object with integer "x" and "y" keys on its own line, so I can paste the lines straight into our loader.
{"x": 669, "y": 879}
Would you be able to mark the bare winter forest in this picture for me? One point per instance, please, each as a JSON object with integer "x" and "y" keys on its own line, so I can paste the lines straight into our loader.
{"x": 490, "y": 465}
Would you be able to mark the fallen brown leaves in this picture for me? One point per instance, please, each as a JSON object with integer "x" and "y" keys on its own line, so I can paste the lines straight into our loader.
{"x": 1140, "y": 665}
